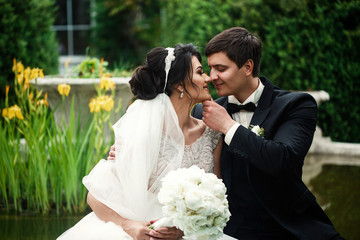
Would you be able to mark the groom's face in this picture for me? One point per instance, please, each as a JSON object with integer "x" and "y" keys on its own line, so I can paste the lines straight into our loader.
{"x": 225, "y": 74}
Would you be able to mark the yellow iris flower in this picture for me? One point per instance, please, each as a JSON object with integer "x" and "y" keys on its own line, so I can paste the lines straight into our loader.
{"x": 20, "y": 78}
{"x": 17, "y": 66}
{"x": 24, "y": 75}
{"x": 41, "y": 73}
{"x": 64, "y": 89}
{"x": 34, "y": 73}
{"x": 106, "y": 83}
{"x": 12, "y": 112}
{"x": 27, "y": 75}
{"x": 66, "y": 64}
{"x": 101, "y": 103}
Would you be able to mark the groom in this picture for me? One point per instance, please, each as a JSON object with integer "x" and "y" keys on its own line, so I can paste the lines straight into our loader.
{"x": 267, "y": 197}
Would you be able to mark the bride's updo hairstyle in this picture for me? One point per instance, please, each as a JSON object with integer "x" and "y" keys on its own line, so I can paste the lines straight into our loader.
{"x": 148, "y": 80}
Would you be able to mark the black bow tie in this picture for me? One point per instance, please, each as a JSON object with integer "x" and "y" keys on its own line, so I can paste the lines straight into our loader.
{"x": 233, "y": 108}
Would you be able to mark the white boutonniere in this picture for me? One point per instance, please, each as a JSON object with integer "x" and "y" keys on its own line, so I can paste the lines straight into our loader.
{"x": 257, "y": 130}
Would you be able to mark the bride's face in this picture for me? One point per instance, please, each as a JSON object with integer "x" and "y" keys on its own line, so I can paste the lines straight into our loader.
{"x": 198, "y": 88}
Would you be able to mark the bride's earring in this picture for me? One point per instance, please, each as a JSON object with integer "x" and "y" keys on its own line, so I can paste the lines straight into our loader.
{"x": 182, "y": 93}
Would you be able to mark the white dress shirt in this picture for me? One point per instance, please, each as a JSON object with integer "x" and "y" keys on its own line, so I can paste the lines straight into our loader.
{"x": 243, "y": 117}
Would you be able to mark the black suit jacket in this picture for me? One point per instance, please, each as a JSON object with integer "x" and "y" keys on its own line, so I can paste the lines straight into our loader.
{"x": 274, "y": 162}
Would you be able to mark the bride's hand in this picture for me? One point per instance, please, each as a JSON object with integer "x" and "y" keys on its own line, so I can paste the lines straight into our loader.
{"x": 111, "y": 153}
{"x": 169, "y": 233}
{"x": 136, "y": 229}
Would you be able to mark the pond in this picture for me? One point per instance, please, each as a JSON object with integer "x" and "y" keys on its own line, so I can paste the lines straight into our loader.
{"x": 337, "y": 188}
{"x": 34, "y": 227}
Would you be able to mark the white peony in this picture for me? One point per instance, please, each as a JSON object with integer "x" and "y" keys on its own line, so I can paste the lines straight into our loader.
{"x": 195, "y": 202}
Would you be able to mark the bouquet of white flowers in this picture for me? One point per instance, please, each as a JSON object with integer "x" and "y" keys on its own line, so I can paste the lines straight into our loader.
{"x": 195, "y": 202}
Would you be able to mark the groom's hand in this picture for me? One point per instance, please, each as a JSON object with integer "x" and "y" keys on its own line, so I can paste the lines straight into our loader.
{"x": 111, "y": 155}
{"x": 216, "y": 117}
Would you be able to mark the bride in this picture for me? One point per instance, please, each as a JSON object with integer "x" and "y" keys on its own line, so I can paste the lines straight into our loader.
{"x": 156, "y": 135}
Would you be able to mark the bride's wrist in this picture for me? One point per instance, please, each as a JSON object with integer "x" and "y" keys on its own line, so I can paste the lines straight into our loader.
{"x": 128, "y": 226}
{"x": 125, "y": 223}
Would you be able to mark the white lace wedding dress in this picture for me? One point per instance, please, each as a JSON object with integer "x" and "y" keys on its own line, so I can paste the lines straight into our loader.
{"x": 129, "y": 185}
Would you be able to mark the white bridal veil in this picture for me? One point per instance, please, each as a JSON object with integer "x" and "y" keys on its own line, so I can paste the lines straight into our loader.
{"x": 129, "y": 185}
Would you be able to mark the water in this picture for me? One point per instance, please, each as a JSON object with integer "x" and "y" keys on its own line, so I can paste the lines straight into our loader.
{"x": 34, "y": 227}
{"x": 336, "y": 186}
{"x": 337, "y": 189}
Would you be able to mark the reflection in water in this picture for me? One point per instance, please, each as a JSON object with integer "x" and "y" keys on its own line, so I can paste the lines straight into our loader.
{"x": 314, "y": 162}
{"x": 34, "y": 227}
{"x": 335, "y": 181}
{"x": 337, "y": 188}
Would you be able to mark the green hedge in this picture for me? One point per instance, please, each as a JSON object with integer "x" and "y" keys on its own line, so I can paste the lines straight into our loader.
{"x": 124, "y": 30}
{"x": 26, "y": 34}
{"x": 318, "y": 49}
{"x": 194, "y": 21}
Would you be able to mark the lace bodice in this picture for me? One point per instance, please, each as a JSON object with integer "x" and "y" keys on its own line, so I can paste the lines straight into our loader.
{"x": 199, "y": 153}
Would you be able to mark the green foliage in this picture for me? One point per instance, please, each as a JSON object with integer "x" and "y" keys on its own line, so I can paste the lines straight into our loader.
{"x": 71, "y": 148}
{"x": 90, "y": 68}
{"x": 44, "y": 158}
{"x": 317, "y": 49}
{"x": 26, "y": 34}
{"x": 194, "y": 21}
{"x": 125, "y": 30}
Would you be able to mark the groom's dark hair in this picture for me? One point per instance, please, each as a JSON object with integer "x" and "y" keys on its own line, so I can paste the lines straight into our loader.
{"x": 239, "y": 45}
